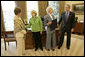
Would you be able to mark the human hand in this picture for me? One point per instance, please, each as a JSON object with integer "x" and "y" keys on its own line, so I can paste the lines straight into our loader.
{"x": 24, "y": 31}
{"x": 72, "y": 30}
{"x": 49, "y": 23}
{"x": 40, "y": 32}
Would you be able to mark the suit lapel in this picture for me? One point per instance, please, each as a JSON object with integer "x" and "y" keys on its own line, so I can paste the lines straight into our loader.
{"x": 69, "y": 16}
{"x": 53, "y": 17}
{"x": 49, "y": 18}
{"x": 64, "y": 17}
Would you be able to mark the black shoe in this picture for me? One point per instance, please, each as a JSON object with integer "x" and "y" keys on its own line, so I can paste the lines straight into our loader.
{"x": 68, "y": 48}
{"x": 41, "y": 49}
{"x": 53, "y": 49}
{"x": 48, "y": 49}
{"x": 58, "y": 47}
{"x": 36, "y": 49}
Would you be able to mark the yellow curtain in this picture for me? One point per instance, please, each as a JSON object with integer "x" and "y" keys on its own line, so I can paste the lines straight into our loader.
{"x": 23, "y": 6}
{"x": 42, "y": 5}
{"x": 61, "y": 7}
{"x": 2, "y": 22}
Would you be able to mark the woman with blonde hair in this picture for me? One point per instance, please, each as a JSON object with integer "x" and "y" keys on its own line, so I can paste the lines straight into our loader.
{"x": 36, "y": 23}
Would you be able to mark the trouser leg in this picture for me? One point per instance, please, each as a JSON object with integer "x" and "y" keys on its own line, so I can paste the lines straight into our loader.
{"x": 20, "y": 46}
{"x": 23, "y": 44}
{"x": 68, "y": 38}
{"x": 40, "y": 40}
{"x": 53, "y": 40}
{"x": 48, "y": 41}
{"x": 61, "y": 37}
{"x": 35, "y": 39}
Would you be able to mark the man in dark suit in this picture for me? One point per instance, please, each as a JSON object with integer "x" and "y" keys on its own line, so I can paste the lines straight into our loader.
{"x": 68, "y": 21}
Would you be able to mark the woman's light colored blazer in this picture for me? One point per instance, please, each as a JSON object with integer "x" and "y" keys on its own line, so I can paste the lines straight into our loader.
{"x": 18, "y": 25}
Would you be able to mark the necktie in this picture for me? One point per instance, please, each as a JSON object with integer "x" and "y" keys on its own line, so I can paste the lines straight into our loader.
{"x": 66, "y": 16}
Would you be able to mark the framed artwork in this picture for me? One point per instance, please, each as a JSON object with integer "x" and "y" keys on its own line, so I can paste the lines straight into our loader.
{"x": 78, "y": 8}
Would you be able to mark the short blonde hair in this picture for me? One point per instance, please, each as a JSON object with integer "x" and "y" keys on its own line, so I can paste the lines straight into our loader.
{"x": 33, "y": 11}
{"x": 48, "y": 9}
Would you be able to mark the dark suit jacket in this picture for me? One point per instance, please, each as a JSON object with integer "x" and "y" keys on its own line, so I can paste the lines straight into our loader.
{"x": 70, "y": 22}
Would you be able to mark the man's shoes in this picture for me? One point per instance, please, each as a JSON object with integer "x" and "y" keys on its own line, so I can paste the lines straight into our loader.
{"x": 41, "y": 49}
{"x": 58, "y": 47}
{"x": 36, "y": 49}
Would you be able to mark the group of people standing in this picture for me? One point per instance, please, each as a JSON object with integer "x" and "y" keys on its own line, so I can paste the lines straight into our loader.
{"x": 35, "y": 22}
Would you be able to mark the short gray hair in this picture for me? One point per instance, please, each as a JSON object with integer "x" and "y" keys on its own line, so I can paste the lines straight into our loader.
{"x": 67, "y": 5}
{"x": 48, "y": 8}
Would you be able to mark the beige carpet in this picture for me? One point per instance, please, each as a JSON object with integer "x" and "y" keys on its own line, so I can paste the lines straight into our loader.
{"x": 77, "y": 49}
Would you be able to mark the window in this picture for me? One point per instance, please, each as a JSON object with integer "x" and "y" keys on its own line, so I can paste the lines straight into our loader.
{"x": 55, "y": 5}
{"x": 8, "y": 13}
{"x": 31, "y": 5}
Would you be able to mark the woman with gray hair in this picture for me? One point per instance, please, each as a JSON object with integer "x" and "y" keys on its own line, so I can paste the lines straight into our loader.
{"x": 51, "y": 38}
